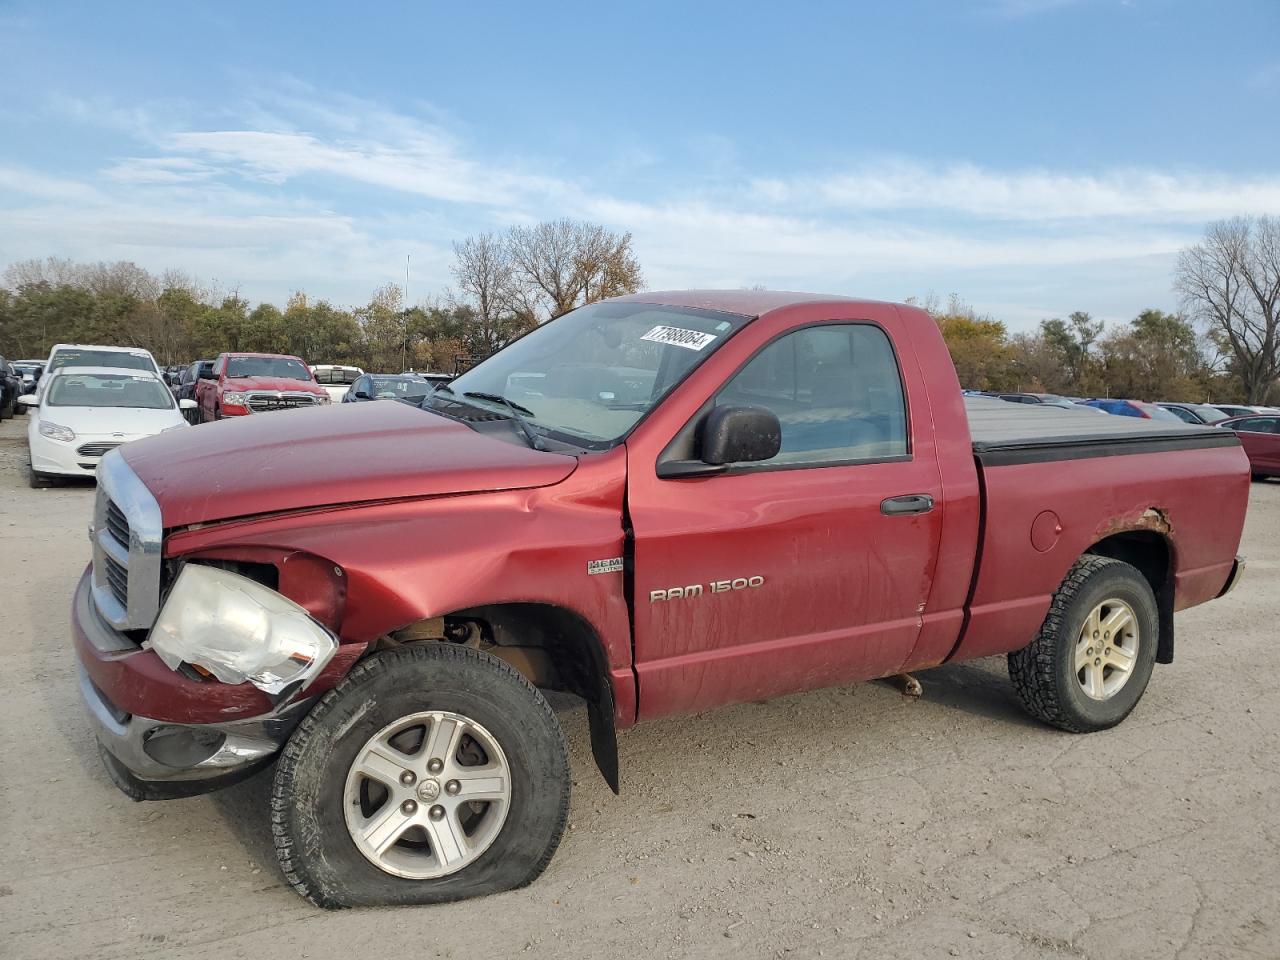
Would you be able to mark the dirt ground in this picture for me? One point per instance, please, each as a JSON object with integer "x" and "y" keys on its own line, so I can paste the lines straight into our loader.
{"x": 850, "y": 822}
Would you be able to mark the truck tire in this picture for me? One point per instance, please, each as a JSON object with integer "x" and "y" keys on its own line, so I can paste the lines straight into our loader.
{"x": 1090, "y": 663}
{"x": 368, "y": 808}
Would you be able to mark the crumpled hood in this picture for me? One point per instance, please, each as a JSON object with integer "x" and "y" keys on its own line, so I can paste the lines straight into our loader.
{"x": 249, "y": 384}
{"x": 347, "y": 453}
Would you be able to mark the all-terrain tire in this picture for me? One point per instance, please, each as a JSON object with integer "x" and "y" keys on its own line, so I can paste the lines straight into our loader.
{"x": 1043, "y": 672}
{"x": 315, "y": 849}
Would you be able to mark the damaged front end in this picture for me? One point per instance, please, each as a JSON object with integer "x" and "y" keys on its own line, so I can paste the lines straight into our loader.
{"x": 189, "y": 685}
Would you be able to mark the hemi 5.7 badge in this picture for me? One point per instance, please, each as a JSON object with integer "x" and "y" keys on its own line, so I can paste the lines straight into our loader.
{"x": 612, "y": 565}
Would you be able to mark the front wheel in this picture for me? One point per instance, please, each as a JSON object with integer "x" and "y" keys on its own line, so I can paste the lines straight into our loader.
{"x": 1090, "y": 663}
{"x": 433, "y": 772}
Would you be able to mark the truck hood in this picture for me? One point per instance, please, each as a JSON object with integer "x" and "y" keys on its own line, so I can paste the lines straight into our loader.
{"x": 348, "y": 453}
{"x": 272, "y": 383}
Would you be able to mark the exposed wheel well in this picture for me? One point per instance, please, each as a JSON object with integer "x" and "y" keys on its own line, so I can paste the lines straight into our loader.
{"x": 1151, "y": 554}
{"x": 552, "y": 647}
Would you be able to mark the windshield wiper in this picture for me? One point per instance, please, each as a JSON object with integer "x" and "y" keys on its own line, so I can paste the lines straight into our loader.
{"x": 518, "y": 414}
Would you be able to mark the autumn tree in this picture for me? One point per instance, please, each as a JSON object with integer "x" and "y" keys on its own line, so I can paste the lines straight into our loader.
{"x": 1230, "y": 282}
{"x": 563, "y": 264}
{"x": 1073, "y": 339}
{"x": 979, "y": 346}
{"x": 1155, "y": 356}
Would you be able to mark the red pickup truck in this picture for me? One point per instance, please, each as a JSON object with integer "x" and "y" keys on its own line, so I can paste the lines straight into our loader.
{"x": 661, "y": 503}
{"x": 244, "y": 383}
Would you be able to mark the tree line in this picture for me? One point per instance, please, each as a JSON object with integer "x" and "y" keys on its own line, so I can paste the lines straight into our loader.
{"x": 1223, "y": 345}
{"x": 506, "y": 284}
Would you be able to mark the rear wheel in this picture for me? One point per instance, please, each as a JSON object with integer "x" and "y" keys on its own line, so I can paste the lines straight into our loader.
{"x": 1092, "y": 659}
{"x": 433, "y": 772}
{"x": 1258, "y": 477}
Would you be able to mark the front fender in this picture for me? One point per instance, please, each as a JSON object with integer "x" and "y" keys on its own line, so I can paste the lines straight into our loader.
{"x": 414, "y": 559}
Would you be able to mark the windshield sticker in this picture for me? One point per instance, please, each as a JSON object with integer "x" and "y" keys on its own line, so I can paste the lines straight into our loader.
{"x": 679, "y": 337}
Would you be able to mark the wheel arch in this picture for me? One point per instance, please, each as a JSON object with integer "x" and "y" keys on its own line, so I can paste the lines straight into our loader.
{"x": 1152, "y": 553}
{"x": 552, "y": 646}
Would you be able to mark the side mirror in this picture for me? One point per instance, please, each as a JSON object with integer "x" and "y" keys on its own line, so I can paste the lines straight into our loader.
{"x": 29, "y": 400}
{"x": 730, "y": 435}
{"x": 740, "y": 435}
{"x": 362, "y": 394}
{"x": 187, "y": 404}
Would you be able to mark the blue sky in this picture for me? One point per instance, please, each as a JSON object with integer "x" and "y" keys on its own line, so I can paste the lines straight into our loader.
{"x": 1033, "y": 156}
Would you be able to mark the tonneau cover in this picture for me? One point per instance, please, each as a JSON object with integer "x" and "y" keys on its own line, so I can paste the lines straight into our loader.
{"x": 1005, "y": 433}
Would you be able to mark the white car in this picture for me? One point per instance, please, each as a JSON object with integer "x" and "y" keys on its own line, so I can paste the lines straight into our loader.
{"x": 96, "y": 355}
{"x": 336, "y": 379}
{"x": 85, "y": 411}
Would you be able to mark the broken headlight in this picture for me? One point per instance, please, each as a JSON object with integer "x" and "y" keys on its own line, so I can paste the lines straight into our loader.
{"x": 238, "y": 630}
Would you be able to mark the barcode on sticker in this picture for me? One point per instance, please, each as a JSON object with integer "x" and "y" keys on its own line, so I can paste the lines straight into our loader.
{"x": 680, "y": 337}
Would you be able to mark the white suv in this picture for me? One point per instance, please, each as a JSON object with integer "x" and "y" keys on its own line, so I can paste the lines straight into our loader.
{"x": 95, "y": 355}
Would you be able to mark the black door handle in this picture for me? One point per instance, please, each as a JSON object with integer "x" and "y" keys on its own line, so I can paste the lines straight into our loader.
{"x": 906, "y": 505}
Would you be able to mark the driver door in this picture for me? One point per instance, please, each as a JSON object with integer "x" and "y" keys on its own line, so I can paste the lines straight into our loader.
{"x": 808, "y": 570}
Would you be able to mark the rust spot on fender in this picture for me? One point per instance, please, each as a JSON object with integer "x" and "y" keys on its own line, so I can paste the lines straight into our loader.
{"x": 1153, "y": 519}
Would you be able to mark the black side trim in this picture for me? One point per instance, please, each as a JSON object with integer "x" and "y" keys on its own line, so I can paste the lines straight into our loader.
{"x": 1086, "y": 448}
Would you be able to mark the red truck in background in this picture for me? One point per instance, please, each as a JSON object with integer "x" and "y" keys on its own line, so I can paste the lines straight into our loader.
{"x": 661, "y": 503}
{"x": 244, "y": 383}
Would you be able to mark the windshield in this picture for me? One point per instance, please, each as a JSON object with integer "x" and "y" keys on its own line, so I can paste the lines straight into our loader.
{"x": 101, "y": 358}
{"x": 108, "y": 390}
{"x": 1158, "y": 413}
{"x": 281, "y": 367}
{"x": 338, "y": 376}
{"x": 1207, "y": 414}
{"x": 399, "y": 388}
{"x": 594, "y": 373}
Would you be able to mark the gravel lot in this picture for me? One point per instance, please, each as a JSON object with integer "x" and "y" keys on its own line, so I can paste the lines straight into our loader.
{"x": 850, "y": 822}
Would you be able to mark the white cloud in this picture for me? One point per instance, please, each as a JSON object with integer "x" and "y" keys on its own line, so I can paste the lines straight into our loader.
{"x": 329, "y": 193}
{"x": 1032, "y": 195}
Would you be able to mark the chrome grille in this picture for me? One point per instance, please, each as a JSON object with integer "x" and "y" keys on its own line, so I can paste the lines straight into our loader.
{"x": 126, "y": 538}
{"x": 95, "y": 449}
{"x": 266, "y": 402}
{"x": 117, "y": 525}
{"x": 117, "y": 580}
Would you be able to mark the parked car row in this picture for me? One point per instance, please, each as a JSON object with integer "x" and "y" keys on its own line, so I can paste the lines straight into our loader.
{"x": 86, "y": 399}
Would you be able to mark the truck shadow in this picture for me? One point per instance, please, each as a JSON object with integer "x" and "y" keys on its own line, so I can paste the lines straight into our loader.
{"x": 862, "y": 723}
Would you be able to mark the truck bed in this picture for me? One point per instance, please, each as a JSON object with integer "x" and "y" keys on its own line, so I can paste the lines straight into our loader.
{"x": 1007, "y": 433}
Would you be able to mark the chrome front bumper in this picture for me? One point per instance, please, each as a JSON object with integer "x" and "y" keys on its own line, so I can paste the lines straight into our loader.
{"x": 152, "y": 750}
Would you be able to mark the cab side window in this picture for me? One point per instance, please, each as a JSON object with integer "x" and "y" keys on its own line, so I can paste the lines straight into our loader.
{"x": 835, "y": 389}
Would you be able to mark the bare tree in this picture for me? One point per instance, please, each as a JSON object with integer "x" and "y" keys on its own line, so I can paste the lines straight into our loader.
{"x": 486, "y": 277}
{"x": 1231, "y": 283}
{"x": 566, "y": 263}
